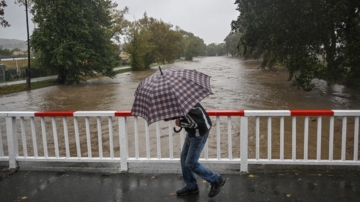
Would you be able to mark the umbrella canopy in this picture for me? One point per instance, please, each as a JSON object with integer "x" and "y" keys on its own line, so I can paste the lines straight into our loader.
{"x": 170, "y": 93}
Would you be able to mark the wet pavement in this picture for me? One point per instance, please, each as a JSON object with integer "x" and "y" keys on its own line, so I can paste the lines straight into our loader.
{"x": 98, "y": 186}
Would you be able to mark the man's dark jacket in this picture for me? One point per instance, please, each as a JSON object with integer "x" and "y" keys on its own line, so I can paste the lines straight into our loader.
{"x": 196, "y": 122}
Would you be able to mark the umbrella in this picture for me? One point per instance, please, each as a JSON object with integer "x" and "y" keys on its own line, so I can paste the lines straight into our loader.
{"x": 170, "y": 93}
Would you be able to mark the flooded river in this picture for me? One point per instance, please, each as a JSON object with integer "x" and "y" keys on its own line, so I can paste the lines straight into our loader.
{"x": 236, "y": 84}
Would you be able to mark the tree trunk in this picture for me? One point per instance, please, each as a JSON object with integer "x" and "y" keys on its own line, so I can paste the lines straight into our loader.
{"x": 332, "y": 74}
{"x": 62, "y": 75}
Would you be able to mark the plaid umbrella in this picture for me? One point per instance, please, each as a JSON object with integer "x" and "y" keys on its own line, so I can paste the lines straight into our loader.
{"x": 170, "y": 93}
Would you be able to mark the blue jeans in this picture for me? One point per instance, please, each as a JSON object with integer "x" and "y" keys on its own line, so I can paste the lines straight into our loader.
{"x": 190, "y": 155}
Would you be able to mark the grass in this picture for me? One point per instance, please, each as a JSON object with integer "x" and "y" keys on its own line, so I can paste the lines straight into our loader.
{"x": 4, "y": 90}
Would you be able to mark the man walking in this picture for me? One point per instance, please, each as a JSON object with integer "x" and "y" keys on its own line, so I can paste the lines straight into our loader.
{"x": 197, "y": 124}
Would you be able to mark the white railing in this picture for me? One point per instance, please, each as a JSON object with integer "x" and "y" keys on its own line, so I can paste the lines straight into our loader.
{"x": 321, "y": 137}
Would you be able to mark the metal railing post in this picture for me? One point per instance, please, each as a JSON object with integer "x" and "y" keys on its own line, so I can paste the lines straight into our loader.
{"x": 244, "y": 144}
{"x": 123, "y": 144}
{"x": 11, "y": 140}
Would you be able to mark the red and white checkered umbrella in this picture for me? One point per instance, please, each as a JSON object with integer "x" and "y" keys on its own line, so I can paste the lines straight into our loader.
{"x": 170, "y": 93}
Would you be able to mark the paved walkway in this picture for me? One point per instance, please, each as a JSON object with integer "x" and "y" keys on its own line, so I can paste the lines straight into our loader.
{"x": 45, "y": 78}
{"x": 91, "y": 186}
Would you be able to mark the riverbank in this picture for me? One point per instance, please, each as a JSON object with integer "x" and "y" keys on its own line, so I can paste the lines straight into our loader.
{"x": 15, "y": 88}
{"x": 36, "y": 83}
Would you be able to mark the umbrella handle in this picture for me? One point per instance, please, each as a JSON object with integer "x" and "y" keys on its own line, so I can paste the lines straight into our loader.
{"x": 161, "y": 71}
{"x": 177, "y": 131}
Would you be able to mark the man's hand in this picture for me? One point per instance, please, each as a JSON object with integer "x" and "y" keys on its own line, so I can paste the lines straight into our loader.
{"x": 177, "y": 122}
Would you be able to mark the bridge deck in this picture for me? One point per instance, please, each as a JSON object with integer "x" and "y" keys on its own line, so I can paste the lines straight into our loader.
{"x": 93, "y": 186}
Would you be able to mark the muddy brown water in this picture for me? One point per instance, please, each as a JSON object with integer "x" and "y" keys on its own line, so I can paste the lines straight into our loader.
{"x": 236, "y": 84}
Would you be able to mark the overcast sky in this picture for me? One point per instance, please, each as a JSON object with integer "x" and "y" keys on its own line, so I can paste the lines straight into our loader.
{"x": 207, "y": 19}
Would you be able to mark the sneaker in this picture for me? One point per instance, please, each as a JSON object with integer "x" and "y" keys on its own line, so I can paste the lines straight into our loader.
{"x": 216, "y": 186}
{"x": 185, "y": 191}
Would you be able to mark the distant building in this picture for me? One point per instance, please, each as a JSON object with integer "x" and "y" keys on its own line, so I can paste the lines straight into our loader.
{"x": 124, "y": 57}
{"x": 16, "y": 53}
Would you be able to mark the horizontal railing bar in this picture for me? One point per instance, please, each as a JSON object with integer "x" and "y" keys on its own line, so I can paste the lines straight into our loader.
{"x": 94, "y": 113}
{"x": 54, "y": 113}
{"x": 346, "y": 112}
{"x": 225, "y": 112}
{"x": 131, "y": 160}
{"x": 308, "y": 162}
{"x": 267, "y": 113}
{"x": 107, "y": 159}
{"x": 213, "y": 160}
{"x": 71, "y": 159}
{"x": 312, "y": 113}
{"x": 123, "y": 113}
{"x": 210, "y": 112}
{"x": 177, "y": 160}
{"x": 17, "y": 114}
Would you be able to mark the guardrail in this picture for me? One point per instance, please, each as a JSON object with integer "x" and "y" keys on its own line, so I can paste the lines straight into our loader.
{"x": 243, "y": 137}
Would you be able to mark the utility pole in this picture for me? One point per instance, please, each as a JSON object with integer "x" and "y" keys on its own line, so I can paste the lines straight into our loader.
{"x": 28, "y": 73}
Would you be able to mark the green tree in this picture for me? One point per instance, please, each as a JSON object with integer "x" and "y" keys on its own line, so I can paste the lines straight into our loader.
{"x": 5, "y": 51}
{"x": 136, "y": 44}
{"x": 3, "y": 22}
{"x": 313, "y": 39}
{"x": 191, "y": 45}
{"x": 221, "y": 49}
{"x": 15, "y": 49}
{"x": 215, "y": 49}
{"x": 233, "y": 45}
{"x": 211, "y": 49}
{"x": 151, "y": 41}
{"x": 119, "y": 23}
{"x": 163, "y": 40}
{"x": 73, "y": 38}
{"x": 202, "y": 49}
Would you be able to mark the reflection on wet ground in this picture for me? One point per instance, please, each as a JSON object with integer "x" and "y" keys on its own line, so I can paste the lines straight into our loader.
{"x": 236, "y": 84}
{"x": 100, "y": 186}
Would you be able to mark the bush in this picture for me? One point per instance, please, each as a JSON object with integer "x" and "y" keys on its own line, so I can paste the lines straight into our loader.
{"x": 12, "y": 74}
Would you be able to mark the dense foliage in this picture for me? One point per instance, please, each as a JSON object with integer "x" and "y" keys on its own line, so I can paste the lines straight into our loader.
{"x": 5, "y": 51}
{"x": 191, "y": 45}
{"x": 73, "y": 38}
{"x": 3, "y": 22}
{"x": 232, "y": 44}
{"x": 151, "y": 41}
{"x": 313, "y": 39}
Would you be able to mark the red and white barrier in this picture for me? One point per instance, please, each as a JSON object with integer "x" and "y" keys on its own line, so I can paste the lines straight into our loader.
{"x": 311, "y": 112}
